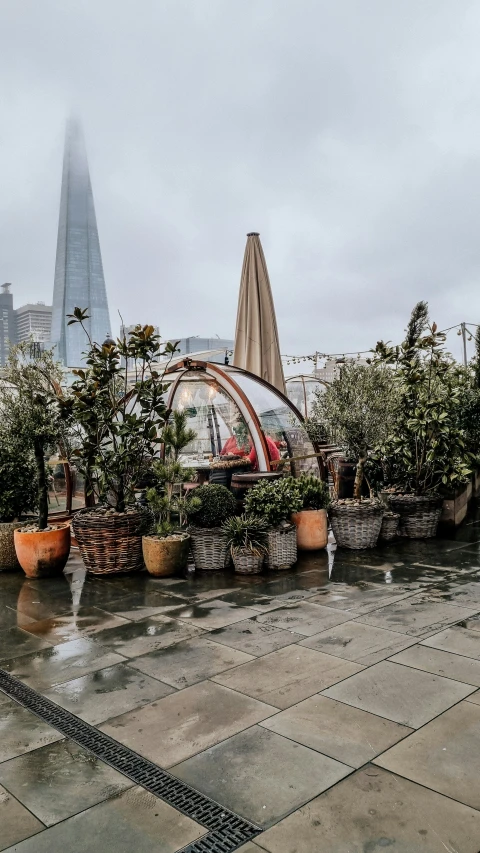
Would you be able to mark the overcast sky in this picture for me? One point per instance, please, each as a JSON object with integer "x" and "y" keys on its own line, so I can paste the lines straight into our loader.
{"x": 346, "y": 133}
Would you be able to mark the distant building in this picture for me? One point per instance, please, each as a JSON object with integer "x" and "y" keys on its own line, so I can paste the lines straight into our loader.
{"x": 7, "y": 323}
{"x": 333, "y": 366}
{"x": 217, "y": 347}
{"x": 33, "y": 321}
{"x": 79, "y": 280}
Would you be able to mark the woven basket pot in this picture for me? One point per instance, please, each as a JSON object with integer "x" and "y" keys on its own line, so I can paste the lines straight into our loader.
{"x": 112, "y": 544}
{"x": 246, "y": 562}
{"x": 209, "y": 549}
{"x": 419, "y": 515}
{"x": 356, "y": 526}
{"x": 389, "y": 528}
{"x": 282, "y": 547}
{"x": 8, "y": 556}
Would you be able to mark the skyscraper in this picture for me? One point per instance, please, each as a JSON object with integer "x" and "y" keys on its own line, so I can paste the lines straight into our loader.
{"x": 79, "y": 280}
{"x": 7, "y": 323}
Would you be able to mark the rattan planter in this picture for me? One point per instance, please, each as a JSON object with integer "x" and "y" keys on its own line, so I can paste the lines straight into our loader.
{"x": 389, "y": 528}
{"x": 209, "y": 549}
{"x": 246, "y": 562}
{"x": 356, "y": 525}
{"x": 111, "y": 543}
{"x": 8, "y": 556}
{"x": 419, "y": 514}
{"x": 282, "y": 547}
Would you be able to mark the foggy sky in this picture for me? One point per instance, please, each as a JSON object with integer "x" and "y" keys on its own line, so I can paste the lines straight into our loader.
{"x": 345, "y": 132}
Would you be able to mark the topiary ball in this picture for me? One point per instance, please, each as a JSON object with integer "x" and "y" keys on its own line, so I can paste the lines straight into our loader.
{"x": 216, "y": 505}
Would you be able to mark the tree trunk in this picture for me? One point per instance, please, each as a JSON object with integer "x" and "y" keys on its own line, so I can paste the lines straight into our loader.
{"x": 357, "y": 487}
{"x": 42, "y": 485}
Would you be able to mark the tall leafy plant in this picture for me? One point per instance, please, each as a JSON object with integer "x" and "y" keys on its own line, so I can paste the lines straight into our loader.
{"x": 425, "y": 451}
{"x": 31, "y": 408}
{"x": 120, "y": 413}
{"x": 170, "y": 508}
{"x": 18, "y": 491}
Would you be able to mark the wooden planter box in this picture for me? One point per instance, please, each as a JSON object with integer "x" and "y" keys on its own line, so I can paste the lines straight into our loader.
{"x": 455, "y": 506}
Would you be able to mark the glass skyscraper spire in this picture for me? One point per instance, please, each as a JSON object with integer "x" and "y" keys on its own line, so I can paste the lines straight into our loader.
{"x": 79, "y": 280}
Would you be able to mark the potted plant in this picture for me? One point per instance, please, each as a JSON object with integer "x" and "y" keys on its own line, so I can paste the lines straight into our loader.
{"x": 209, "y": 507}
{"x": 18, "y": 493}
{"x": 165, "y": 552}
{"x": 246, "y": 536}
{"x": 275, "y": 501}
{"x": 118, "y": 407}
{"x": 311, "y": 520}
{"x": 389, "y": 528}
{"x": 425, "y": 453}
{"x": 31, "y": 405}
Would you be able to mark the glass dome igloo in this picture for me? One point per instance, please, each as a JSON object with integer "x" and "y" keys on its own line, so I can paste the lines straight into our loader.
{"x": 301, "y": 391}
{"x": 235, "y": 412}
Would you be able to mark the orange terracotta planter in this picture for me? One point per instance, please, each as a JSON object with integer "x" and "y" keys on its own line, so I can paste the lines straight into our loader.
{"x": 45, "y": 553}
{"x": 165, "y": 557}
{"x": 312, "y": 529}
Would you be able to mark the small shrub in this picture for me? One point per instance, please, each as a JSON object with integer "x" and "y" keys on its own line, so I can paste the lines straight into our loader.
{"x": 216, "y": 505}
{"x": 246, "y": 532}
{"x": 314, "y": 492}
{"x": 274, "y": 501}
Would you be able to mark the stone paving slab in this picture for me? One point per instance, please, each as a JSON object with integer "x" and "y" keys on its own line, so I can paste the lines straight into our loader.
{"x": 190, "y": 661}
{"x": 60, "y": 780}
{"x": 364, "y": 644}
{"x": 373, "y": 811}
{"x": 475, "y": 698}
{"x": 61, "y": 663}
{"x": 460, "y": 641}
{"x": 287, "y": 676}
{"x": 10, "y": 618}
{"x": 138, "y": 638}
{"x": 260, "y": 775}
{"x": 107, "y": 693}
{"x": 187, "y": 722}
{"x": 304, "y": 618}
{"x": 16, "y": 822}
{"x": 215, "y": 613}
{"x": 416, "y": 616}
{"x": 443, "y": 755}
{"x": 440, "y": 663}
{"x": 347, "y": 734}
{"x": 21, "y": 731}
{"x": 143, "y": 605}
{"x": 362, "y": 597}
{"x": 135, "y": 821}
{"x": 253, "y": 637}
{"x": 399, "y": 693}
{"x": 61, "y": 629}
{"x": 16, "y": 641}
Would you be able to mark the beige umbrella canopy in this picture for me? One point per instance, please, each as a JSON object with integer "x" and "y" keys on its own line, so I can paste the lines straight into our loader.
{"x": 257, "y": 347}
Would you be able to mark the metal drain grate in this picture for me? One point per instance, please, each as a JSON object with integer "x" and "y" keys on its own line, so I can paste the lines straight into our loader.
{"x": 227, "y": 831}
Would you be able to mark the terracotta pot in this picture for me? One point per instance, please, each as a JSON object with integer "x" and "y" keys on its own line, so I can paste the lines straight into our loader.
{"x": 165, "y": 557}
{"x": 312, "y": 529}
{"x": 8, "y": 557}
{"x": 45, "y": 553}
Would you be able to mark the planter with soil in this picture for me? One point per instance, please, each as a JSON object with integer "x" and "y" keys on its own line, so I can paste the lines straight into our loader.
{"x": 166, "y": 556}
{"x": 42, "y": 553}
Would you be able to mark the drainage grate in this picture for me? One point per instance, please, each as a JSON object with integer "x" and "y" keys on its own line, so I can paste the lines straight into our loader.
{"x": 227, "y": 831}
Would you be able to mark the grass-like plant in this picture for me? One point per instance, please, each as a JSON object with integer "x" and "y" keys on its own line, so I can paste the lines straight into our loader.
{"x": 246, "y": 533}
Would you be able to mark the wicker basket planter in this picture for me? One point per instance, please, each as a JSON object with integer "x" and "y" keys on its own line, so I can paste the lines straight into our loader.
{"x": 356, "y": 525}
{"x": 247, "y": 562}
{"x": 8, "y": 556}
{"x": 209, "y": 549}
{"x": 111, "y": 542}
{"x": 389, "y": 528}
{"x": 419, "y": 514}
{"x": 282, "y": 547}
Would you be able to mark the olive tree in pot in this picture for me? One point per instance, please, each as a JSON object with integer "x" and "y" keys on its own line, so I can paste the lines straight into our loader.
{"x": 208, "y": 508}
{"x": 246, "y": 536}
{"x": 31, "y": 406}
{"x": 165, "y": 551}
{"x": 358, "y": 409}
{"x": 311, "y": 520}
{"x": 275, "y": 501}
{"x": 18, "y": 492}
{"x": 425, "y": 452}
{"x": 120, "y": 415}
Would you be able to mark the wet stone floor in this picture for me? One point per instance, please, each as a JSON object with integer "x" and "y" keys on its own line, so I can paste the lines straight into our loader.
{"x": 335, "y": 706}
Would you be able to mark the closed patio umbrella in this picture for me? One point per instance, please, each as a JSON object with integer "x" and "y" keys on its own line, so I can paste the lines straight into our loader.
{"x": 257, "y": 347}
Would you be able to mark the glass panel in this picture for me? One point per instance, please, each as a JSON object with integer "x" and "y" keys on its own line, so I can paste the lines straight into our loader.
{"x": 283, "y": 430}
{"x": 57, "y": 486}
{"x": 215, "y": 417}
{"x": 78, "y": 489}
